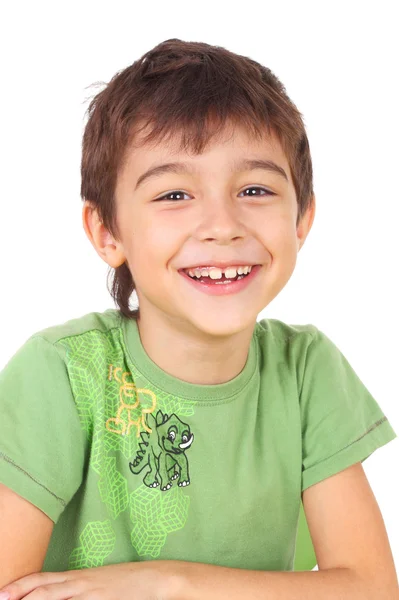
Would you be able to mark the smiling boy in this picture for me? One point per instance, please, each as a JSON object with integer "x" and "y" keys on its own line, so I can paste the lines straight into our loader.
{"x": 167, "y": 450}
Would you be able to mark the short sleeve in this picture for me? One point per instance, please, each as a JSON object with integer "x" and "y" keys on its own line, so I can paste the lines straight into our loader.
{"x": 42, "y": 445}
{"x": 341, "y": 421}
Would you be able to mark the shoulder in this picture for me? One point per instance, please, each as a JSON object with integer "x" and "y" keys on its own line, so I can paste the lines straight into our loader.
{"x": 298, "y": 337}
{"x": 282, "y": 331}
{"x": 82, "y": 337}
{"x": 306, "y": 342}
{"x": 101, "y": 322}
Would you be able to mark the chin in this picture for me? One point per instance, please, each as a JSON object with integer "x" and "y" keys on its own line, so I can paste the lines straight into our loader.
{"x": 225, "y": 327}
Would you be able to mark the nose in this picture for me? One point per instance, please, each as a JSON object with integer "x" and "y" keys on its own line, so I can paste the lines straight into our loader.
{"x": 220, "y": 221}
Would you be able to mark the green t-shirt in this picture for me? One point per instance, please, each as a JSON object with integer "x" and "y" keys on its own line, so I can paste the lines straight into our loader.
{"x": 134, "y": 464}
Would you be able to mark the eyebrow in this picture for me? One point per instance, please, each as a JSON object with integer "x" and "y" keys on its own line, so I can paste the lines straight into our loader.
{"x": 181, "y": 167}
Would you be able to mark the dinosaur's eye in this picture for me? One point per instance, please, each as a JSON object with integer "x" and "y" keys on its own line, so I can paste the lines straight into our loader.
{"x": 172, "y": 435}
{"x": 184, "y": 438}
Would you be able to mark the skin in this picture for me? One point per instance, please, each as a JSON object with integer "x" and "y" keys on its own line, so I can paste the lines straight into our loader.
{"x": 192, "y": 336}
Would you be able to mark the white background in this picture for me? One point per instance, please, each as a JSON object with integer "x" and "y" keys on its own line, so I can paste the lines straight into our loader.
{"x": 338, "y": 64}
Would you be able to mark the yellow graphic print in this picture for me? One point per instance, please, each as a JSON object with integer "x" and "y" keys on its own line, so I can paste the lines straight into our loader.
{"x": 128, "y": 389}
{"x": 154, "y": 516}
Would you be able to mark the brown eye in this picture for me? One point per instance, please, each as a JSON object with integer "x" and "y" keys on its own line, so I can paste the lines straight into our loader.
{"x": 177, "y": 192}
{"x": 255, "y": 187}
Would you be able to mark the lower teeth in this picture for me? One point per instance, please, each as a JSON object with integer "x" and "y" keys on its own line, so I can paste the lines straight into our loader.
{"x": 223, "y": 281}
{"x": 229, "y": 280}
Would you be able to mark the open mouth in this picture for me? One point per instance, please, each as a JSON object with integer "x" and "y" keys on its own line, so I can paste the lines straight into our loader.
{"x": 222, "y": 285}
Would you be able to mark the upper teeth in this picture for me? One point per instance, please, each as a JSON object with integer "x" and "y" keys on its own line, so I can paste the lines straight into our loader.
{"x": 216, "y": 273}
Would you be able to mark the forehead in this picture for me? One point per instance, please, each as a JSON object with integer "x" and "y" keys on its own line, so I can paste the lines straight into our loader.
{"x": 228, "y": 146}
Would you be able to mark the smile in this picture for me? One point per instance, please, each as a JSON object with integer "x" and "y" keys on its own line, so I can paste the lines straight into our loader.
{"x": 222, "y": 286}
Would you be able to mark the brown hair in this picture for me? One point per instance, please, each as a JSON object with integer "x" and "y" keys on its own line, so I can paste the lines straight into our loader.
{"x": 181, "y": 86}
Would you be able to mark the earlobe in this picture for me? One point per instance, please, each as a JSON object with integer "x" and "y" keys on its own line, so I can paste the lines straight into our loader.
{"x": 102, "y": 241}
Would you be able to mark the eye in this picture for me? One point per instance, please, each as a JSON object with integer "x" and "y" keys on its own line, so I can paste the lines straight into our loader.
{"x": 253, "y": 187}
{"x": 166, "y": 196}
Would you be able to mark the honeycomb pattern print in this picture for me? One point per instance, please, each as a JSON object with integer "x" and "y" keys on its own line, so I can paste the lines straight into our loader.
{"x": 120, "y": 413}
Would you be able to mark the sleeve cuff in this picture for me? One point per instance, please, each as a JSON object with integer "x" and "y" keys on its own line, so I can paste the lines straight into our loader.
{"x": 30, "y": 488}
{"x": 358, "y": 451}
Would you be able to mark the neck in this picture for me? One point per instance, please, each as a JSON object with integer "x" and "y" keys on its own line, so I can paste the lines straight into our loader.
{"x": 192, "y": 356}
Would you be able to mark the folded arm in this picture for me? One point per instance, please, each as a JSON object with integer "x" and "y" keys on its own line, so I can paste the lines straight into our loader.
{"x": 196, "y": 581}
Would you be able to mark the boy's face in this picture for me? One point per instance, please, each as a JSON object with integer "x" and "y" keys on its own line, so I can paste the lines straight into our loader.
{"x": 213, "y": 219}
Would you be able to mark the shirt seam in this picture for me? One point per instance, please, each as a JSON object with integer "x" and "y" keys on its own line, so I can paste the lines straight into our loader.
{"x": 65, "y": 337}
{"x": 313, "y": 336}
{"x": 376, "y": 424}
{"x": 8, "y": 459}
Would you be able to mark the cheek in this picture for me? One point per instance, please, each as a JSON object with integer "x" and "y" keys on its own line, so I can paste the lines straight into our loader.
{"x": 279, "y": 233}
{"x": 164, "y": 235}
{"x": 152, "y": 245}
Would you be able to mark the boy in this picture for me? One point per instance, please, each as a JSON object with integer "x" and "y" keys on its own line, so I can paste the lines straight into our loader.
{"x": 184, "y": 431}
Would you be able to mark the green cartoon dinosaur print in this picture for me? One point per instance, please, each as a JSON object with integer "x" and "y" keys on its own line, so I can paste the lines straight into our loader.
{"x": 163, "y": 451}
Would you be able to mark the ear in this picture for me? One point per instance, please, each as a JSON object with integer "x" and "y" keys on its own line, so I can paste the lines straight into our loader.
{"x": 104, "y": 244}
{"x": 305, "y": 224}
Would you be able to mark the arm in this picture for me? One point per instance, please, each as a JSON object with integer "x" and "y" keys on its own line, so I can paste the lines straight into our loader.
{"x": 22, "y": 526}
{"x": 351, "y": 546}
{"x": 180, "y": 580}
{"x": 196, "y": 581}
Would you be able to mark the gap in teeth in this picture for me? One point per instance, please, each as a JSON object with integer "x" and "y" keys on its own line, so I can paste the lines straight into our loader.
{"x": 216, "y": 273}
